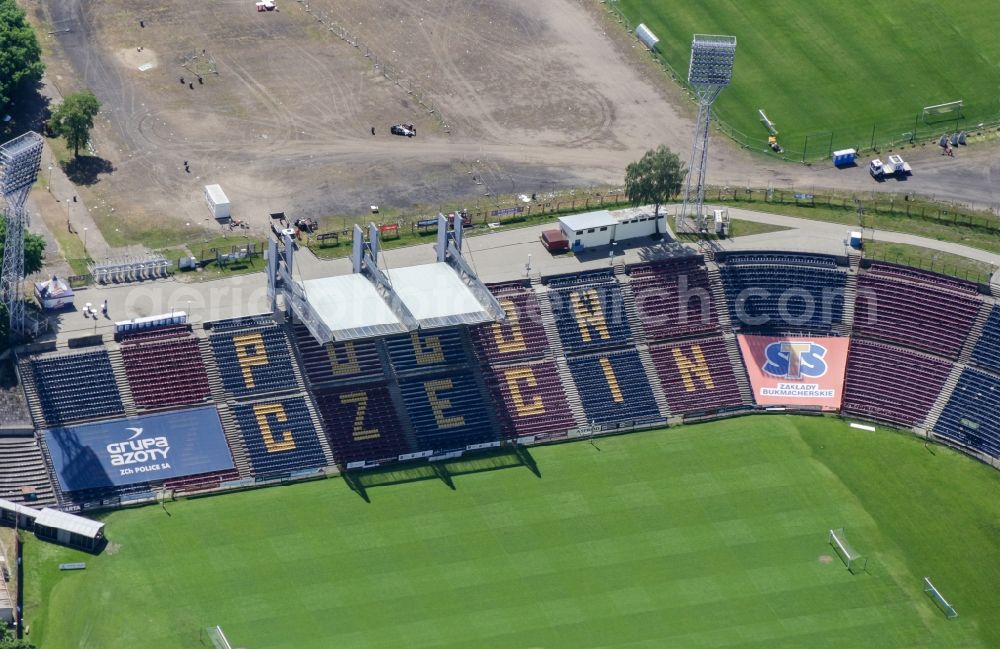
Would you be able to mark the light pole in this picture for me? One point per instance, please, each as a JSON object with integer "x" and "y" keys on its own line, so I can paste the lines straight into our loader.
{"x": 85, "y": 240}
{"x": 50, "y": 178}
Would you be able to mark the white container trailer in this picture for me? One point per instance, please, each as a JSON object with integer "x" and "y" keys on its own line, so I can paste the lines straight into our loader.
{"x": 218, "y": 203}
{"x": 647, "y": 37}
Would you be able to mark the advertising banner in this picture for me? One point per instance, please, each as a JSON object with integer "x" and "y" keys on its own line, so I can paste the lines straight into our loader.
{"x": 796, "y": 371}
{"x": 138, "y": 449}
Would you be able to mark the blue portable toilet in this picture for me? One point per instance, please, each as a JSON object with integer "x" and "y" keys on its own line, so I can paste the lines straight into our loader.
{"x": 844, "y": 157}
{"x": 856, "y": 240}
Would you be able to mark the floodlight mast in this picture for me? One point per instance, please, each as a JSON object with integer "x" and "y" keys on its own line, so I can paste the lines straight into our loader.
{"x": 19, "y": 162}
{"x": 710, "y": 71}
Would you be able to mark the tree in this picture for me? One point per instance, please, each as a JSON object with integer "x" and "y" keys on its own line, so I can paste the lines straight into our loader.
{"x": 34, "y": 249}
{"x": 74, "y": 118}
{"x": 656, "y": 178}
{"x": 20, "y": 55}
{"x": 8, "y": 640}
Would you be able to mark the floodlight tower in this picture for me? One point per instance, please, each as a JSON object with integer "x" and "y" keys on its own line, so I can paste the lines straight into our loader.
{"x": 710, "y": 71}
{"x": 19, "y": 161}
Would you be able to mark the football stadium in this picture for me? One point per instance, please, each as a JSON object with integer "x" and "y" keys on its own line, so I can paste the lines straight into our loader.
{"x": 419, "y": 384}
{"x": 658, "y": 435}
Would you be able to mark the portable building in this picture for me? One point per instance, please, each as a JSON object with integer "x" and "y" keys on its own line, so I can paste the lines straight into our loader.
{"x": 218, "y": 203}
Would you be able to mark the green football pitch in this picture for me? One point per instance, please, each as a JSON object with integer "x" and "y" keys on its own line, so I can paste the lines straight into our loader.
{"x": 837, "y": 71}
{"x": 713, "y": 535}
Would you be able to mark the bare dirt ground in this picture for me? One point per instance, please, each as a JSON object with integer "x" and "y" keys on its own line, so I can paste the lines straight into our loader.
{"x": 527, "y": 96}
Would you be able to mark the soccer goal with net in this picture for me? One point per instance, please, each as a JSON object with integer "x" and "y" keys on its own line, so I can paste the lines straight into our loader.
{"x": 939, "y": 599}
{"x": 852, "y": 559}
{"x": 945, "y": 112}
{"x": 217, "y": 638}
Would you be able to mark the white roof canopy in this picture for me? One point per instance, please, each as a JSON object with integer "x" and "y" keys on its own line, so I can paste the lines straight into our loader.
{"x": 351, "y": 307}
{"x": 587, "y": 220}
{"x": 436, "y": 296}
{"x": 70, "y": 522}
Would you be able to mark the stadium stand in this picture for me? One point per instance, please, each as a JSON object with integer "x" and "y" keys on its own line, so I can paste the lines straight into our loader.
{"x": 280, "y": 436}
{"x": 336, "y": 362}
{"x": 529, "y": 399}
{"x": 987, "y": 350}
{"x": 972, "y": 415}
{"x": 148, "y": 335}
{"x": 697, "y": 376}
{"x": 673, "y": 298}
{"x": 919, "y": 276}
{"x": 165, "y": 369}
{"x": 252, "y": 360}
{"x": 75, "y": 387}
{"x": 920, "y": 316}
{"x": 891, "y": 384}
{"x": 613, "y": 388}
{"x": 522, "y": 336}
{"x": 775, "y": 292}
{"x": 361, "y": 423}
{"x": 423, "y": 351}
{"x": 447, "y": 412}
{"x": 589, "y": 311}
{"x": 201, "y": 481}
{"x": 24, "y": 478}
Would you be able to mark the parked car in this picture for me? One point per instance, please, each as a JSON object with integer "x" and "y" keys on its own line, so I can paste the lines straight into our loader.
{"x": 554, "y": 240}
{"x": 403, "y": 129}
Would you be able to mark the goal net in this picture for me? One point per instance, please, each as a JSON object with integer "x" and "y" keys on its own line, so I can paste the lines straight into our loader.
{"x": 946, "y": 112}
{"x": 218, "y": 638}
{"x": 939, "y": 599}
{"x": 851, "y": 558}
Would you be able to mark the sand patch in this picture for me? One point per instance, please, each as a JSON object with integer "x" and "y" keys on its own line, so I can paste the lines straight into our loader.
{"x": 825, "y": 558}
{"x": 135, "y": 59}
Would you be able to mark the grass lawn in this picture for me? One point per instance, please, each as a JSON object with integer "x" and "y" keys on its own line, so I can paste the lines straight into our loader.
{"x": 712, "y": 535}
{"x": 941, "y": 262}
{"x": 840, "y": 67}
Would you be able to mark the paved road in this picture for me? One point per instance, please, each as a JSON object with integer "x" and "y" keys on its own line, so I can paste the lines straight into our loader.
{"x": 496, "y": 257}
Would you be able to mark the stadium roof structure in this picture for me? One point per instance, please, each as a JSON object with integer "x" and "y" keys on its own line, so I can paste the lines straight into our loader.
{"x": 351, "y": 307}
{"x": 437, "y": 296}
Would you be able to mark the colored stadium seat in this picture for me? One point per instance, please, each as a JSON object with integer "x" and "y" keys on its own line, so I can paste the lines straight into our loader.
{"x": 697, "y": 376}
{"x": 253, "y": 361}
{"x": 419, "y": 351}
{"x": 530, "y": 399}
{"x": 987, "y": 351}
{"x": 590, "y": 316}
{"x": 914, "y": 315}
{"x": 336, "y": 362}
{"x": 891, "y": 384}
{"x": 361, "y": 423}
{"x": 279, "y": 435}
{"x": 522, "y": 336}
{"x": 674, "y": 298}
{"x": 972, "y": 415}
{"x": 447, "y": 412}
{"x": 24, "y": 478}
{"x": 918, "y": 276}
{"x": 165, "y": 370}
{"x": 613, "y": 387}
{"x": 777, "y": 292}
{"x": 73, "y": 387}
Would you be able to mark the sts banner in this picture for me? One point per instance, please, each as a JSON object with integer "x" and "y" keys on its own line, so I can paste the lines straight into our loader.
{"x": 796, "y": 371}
